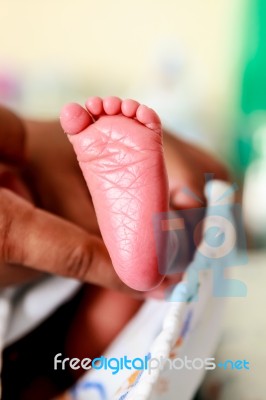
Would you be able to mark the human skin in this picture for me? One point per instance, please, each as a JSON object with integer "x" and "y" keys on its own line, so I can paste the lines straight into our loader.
{"x": 120, "y": 152}
{"x": 39, "y": 147}
{"x": 119, "y": 149}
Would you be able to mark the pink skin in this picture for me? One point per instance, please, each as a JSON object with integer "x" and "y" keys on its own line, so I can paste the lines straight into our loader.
{"x": 119, "y": 148}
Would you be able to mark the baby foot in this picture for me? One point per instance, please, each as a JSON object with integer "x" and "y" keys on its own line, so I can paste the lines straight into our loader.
{"x": 119, "y": 149}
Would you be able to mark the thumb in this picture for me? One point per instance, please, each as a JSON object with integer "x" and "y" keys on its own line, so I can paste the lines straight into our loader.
{"x": 39, "y": 240}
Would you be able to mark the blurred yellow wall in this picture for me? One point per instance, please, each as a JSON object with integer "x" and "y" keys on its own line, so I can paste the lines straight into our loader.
{"x": 112, "y": 39}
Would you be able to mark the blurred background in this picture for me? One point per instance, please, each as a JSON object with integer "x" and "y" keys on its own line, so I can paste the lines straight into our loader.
{"x": 201, "y": 65}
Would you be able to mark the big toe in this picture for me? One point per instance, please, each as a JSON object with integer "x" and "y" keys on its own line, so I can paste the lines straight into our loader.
{"x": 74, "y": 118}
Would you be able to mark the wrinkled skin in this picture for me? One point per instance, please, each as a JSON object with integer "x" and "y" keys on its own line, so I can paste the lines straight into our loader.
{"x": 123, "y": 165}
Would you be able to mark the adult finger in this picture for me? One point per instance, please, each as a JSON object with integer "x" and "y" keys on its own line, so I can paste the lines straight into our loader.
{"x": 208, "y": 163}
{"x": 202, "y": 166}
{"x": 41, "y": 241}
{"x": 187, "y": 166}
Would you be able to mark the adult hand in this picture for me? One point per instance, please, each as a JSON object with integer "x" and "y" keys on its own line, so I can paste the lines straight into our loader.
{"x": 32, "y": 239}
